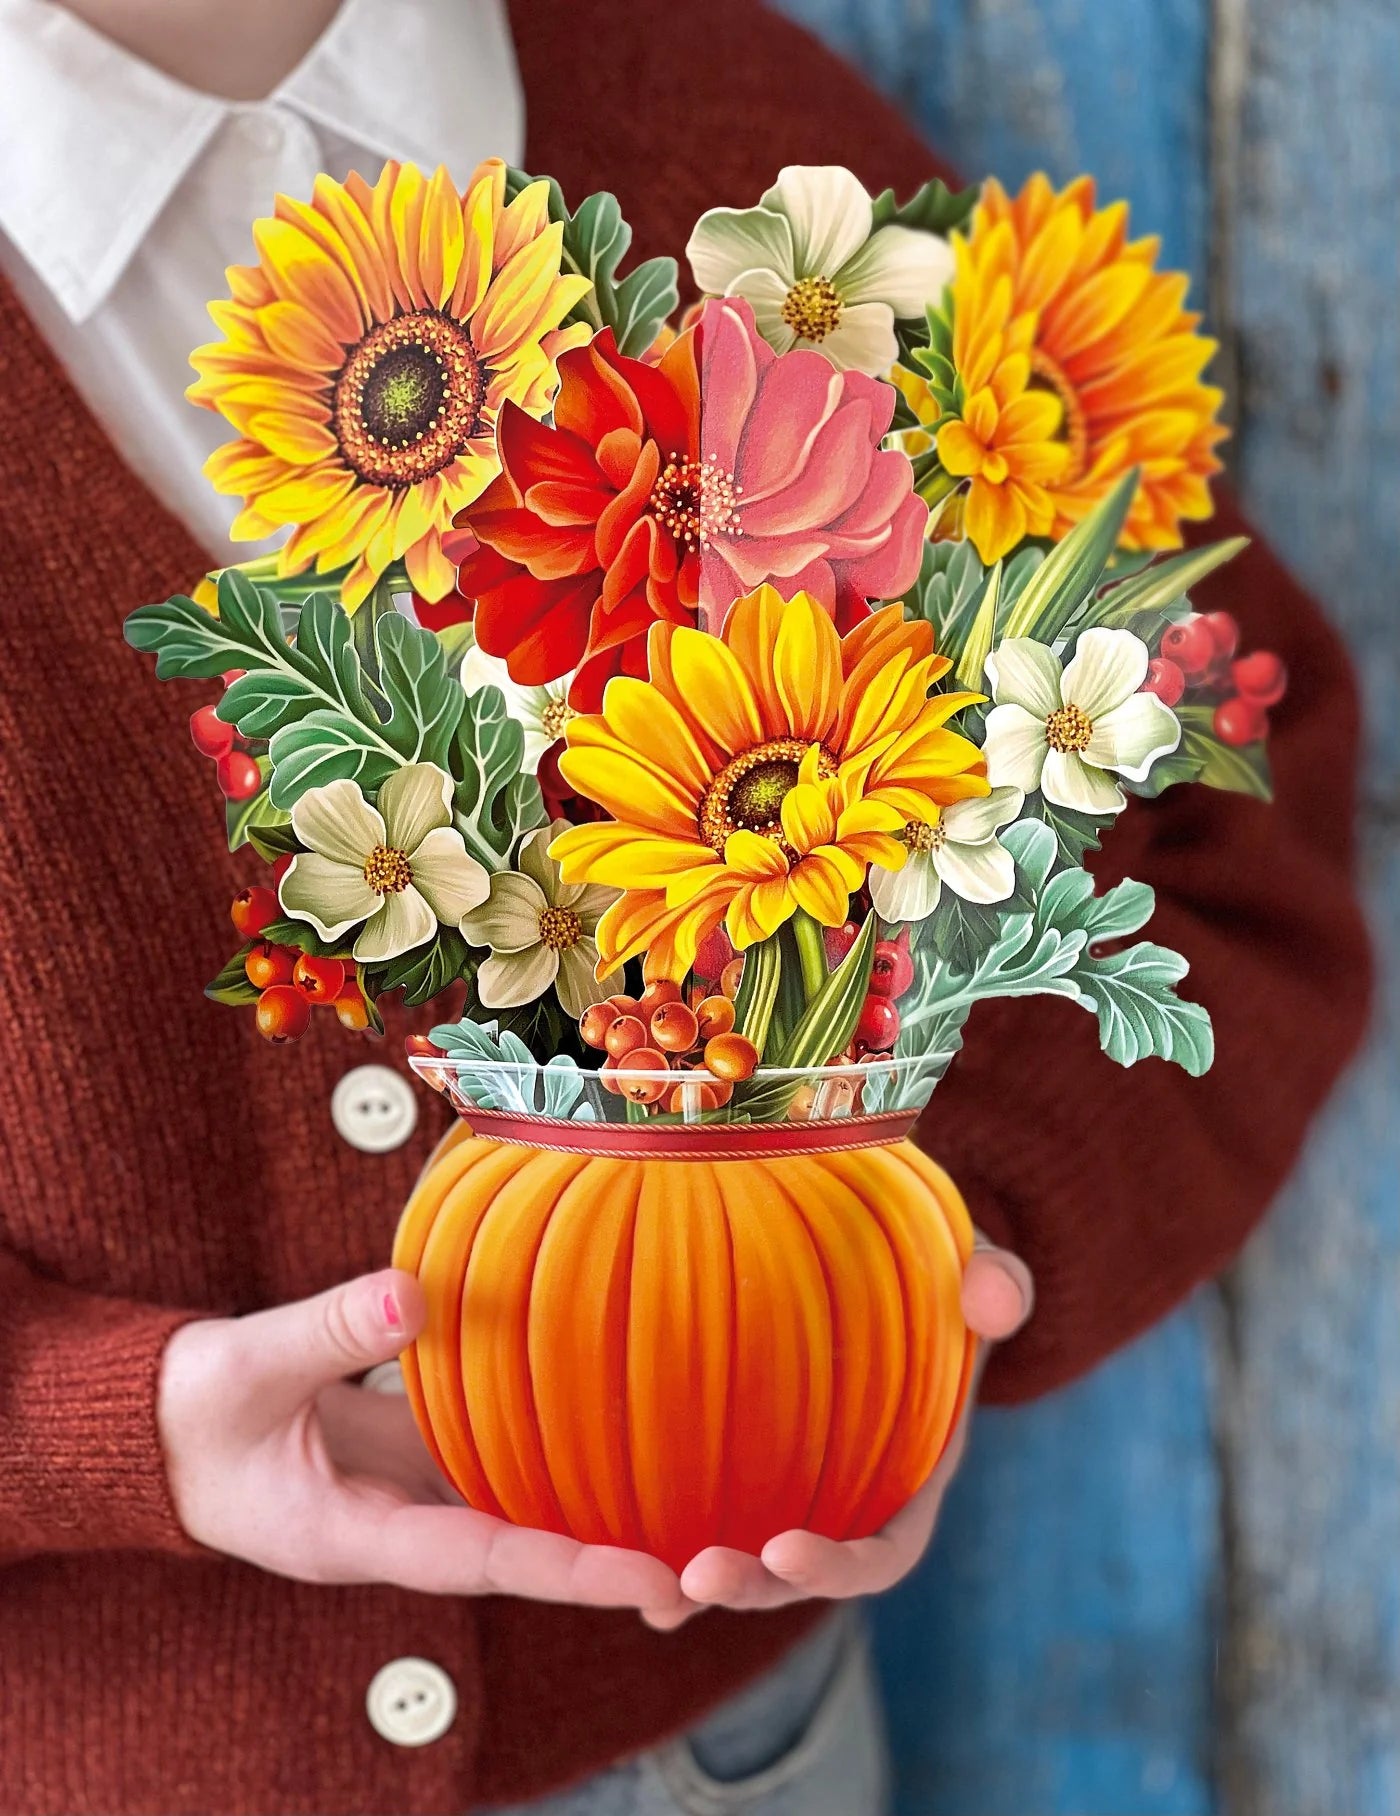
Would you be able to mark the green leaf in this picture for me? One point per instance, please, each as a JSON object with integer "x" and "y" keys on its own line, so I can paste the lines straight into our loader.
{"x": 979, "y": 637}
{"x": 1073, "y": 568}
{"x": 1077, "y": 834}
{"x": 284, "y": 683}
{"x": 326, "y": 747}
{"x": 1240, "y": 769}
{"x": 1140, "y": 1015}
{"x": 190, "y": 643}
{"x": 494, "y": 802}
{"x": 286, "y": 931}
{"x": 231, "y": 985}
{"x": 424, "y": 972}
{"x": 933, "y": 208}
{"x": 596, "y": 239}
{"x": 273, "y": 839}
{"x": 425, "y": 702}
{"x": 830, "y": 1018}
{"x": 758, "y": 992}
{"x": 1155, "y": 588}
{"x": 495, "y": 1070}
{"x": 245, "y": 819}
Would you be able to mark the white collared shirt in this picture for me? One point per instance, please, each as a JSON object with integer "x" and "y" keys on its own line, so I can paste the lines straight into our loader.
{"x": 124, "y": 194}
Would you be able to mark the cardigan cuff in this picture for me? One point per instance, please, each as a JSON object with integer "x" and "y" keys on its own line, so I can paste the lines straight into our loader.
{"x": 84, "y": 1468}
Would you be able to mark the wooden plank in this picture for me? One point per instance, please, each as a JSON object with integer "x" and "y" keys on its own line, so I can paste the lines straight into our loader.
{"x": 1055, "y": 1652}
{"x": 1011, "y": 86}
{"x": 1053, "y": 1656}
{"x": 1311, "y": 1376}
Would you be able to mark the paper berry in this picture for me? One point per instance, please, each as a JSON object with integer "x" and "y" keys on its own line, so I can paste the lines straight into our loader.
{"x": 625, "y": 1035}
{"x": 878, "y": 1027}
{"x": 838, "y": 941}
{"x": 1224, "y": 631}
{"x": 211, "y": 737}
{"x": 418, "y": 1046}
{"x": 625, "y": 1005}
{"x": 730, "y": 977}
{"x": 1165, "y": 679}
{"x": 280, "y": 866}
{"x": 230, "y": 675}
{"x": 1190, "y": 646}
{"x": 644, "y": 1090}
{"x": 892, "y": 970}
{"x": 1260, "y": 677}
{"x": 705, "y": 1094}
{"x": 268, "y": 966}
{"x": 595, "y": 1022}
{"x": 282, "y": 1014}
{"x": 351, "y": 1009}
{"x": 254, "y": 909}
{"x": 674, "y": 1028}
{"x": 237, "y": 775}
{"x": 320, "y": 980}
{"x": 661, "y": 991}
{"x": 715, "y": 1015}
{"x": 731, "y": 1057}
{"x": 1240, "y": 721}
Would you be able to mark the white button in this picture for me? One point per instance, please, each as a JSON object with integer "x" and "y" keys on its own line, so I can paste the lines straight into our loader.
{"x": 384, "y": 1378}
{"x": 411, "y": 1702}
{"x": 374, "y": 1108}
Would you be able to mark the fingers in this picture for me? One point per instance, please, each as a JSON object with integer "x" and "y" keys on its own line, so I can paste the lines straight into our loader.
{"x": 295, "y": 1350}
{"x": 457, "y": 1551}
{"x": 997, "y": 1293}
{"x": 720, "y": 1577}
{"x": 375, "y": 1435}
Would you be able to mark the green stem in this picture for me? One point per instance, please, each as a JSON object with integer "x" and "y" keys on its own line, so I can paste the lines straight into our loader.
{"x": 936, "y": 485}
{"x": 811, "y": 953}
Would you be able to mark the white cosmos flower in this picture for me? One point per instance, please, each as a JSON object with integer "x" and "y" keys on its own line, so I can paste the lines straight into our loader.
{"x": 817, "y": 270}
{"x": 400, "y": 867}
{"x": 1064, "y": 732}
{"x": 960, "y": 849}
{"x": 542, "y": 711}
{"x": 540, "y": 931}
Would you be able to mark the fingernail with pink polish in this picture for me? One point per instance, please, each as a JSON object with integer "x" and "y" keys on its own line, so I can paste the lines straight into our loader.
{"x": 392, "y": 1316}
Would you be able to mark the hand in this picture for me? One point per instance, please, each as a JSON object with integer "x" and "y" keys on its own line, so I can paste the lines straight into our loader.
{"x": 997, "y": 1296}
{"x": 275, "y": 1458}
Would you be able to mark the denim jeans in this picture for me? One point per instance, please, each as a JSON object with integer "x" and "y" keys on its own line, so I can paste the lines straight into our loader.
{"x": 805, "y": 1740}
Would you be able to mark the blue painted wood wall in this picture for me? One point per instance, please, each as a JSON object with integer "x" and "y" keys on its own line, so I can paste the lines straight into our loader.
{"x": 1176, "y": 1586}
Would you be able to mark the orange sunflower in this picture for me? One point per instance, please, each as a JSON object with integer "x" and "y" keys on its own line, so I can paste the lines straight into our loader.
{"x": 366, "y": 357}
{"x": 759, "y": 772}
{"x": 1077, "y": 360}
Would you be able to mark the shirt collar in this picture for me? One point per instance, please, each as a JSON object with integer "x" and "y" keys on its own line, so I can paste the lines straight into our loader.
{"x": 95, "y": 141}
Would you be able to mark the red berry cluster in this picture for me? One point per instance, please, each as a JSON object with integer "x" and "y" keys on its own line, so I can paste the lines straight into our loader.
{"x": 235, "y": 769}
{"x": 661, "y": 1032}
{"x": 891, "y": 974}
{"x": 290, "y": 983}
{"x": 1198, "y": 656}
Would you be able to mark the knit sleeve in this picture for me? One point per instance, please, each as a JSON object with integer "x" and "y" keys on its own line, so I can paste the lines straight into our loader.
{"x": 1123, "y": 1189}
{"x": 80, "y": 1458}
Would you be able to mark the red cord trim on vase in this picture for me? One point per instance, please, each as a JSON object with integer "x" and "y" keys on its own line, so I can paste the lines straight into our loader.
{"x": 690, "y": 1141}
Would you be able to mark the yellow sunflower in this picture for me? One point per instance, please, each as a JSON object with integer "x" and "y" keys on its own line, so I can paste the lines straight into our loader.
{"x": 1078, "y": 361}
{"x": 365, "y": 359}
{"x": 759, "y": 772}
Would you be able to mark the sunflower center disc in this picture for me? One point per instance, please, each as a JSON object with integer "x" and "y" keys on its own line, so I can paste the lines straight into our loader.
{"x": 408, "y": 399}
{"x": 748, "y": 793}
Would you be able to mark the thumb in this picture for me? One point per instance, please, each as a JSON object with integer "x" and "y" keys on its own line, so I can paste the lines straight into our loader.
{"x": 298, "y": 1349}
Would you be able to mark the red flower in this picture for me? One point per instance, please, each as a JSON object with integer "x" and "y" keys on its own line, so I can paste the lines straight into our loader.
{"x": 590, "y": 534}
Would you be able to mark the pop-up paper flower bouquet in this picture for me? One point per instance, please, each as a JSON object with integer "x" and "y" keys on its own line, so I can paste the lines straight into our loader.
{"x": 722, "y": 703}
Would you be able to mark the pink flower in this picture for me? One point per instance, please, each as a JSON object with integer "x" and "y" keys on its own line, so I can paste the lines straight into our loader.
{"x": 798, "y": 490}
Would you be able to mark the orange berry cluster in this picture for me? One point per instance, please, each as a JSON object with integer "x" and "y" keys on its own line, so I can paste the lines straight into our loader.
{"x": 290, "y": 983}
{"x": 660, "y": 1033}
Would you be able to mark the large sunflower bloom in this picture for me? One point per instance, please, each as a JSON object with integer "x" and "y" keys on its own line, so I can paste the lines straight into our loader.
{"x": 365, "y": 360}
{"x": 758, "y": 772}
{"x": 1077, "y": 361}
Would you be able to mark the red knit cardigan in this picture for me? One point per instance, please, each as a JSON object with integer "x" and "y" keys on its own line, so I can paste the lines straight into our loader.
{"x": 158, "y": 1161}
